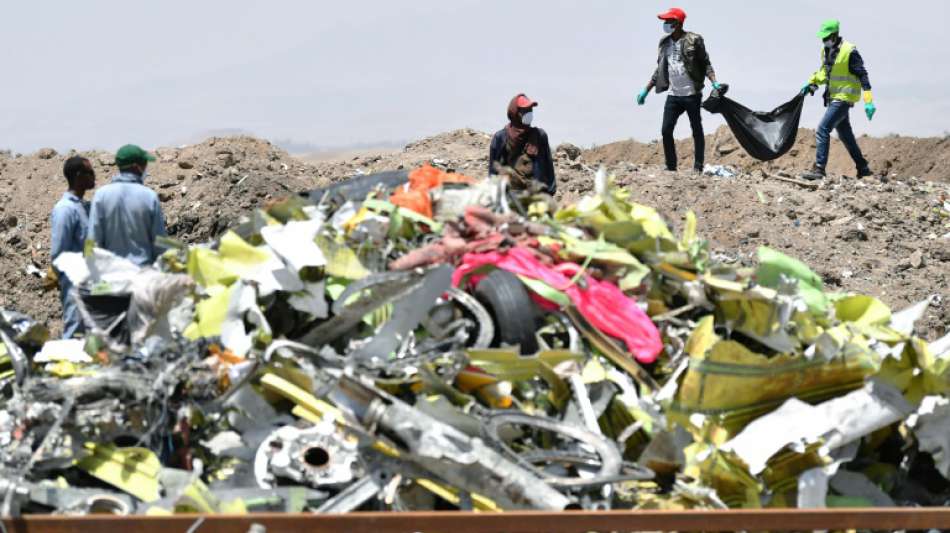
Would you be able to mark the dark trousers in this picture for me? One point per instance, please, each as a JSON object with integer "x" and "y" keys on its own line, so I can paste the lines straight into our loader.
{"x": 676, "y": 106}
{"x": 837, "y": 118}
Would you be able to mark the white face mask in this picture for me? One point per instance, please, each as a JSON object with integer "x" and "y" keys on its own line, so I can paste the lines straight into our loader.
{"x": 527, "y": 118}
{"x": 668, "y": 27}
{"x": 829, "y": 43}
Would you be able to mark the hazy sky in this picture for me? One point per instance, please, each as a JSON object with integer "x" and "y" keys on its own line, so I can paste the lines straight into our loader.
{"x": 99, "y": 73}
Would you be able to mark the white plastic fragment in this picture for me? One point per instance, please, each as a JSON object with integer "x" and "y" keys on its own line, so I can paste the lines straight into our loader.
{"x": 903, "y": 321}
{"x": 932, "y": 430}
{"x": 583, "y": 402}
{"x": 223, "y": 442}
{"x": 813, "y": 483}
{"x": 73, "y": 266}
{"x": 294, "y": 243}
{"x": 940, "y": 348}
{"x": 242, "y": 307}
{"x": 312, "y": 300}
{"x": 72, "y": 350}
{"x": 837, "y": 422}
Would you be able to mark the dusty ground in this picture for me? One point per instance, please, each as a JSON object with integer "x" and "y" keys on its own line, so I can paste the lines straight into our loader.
{"x": 883, "y": 236}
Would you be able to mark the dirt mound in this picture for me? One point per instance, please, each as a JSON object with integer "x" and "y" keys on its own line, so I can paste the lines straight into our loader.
{"x": 925, "y": 158}
{"x": 886, "y": 236}
{"x": 206, "y": 187}
{"x": 463, "y": 150}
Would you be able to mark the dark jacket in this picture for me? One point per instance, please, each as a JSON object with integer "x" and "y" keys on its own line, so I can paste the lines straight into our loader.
{"x": 695, "y": 58}
{"x": 543, "y": 164}
{"x": 855, "y": 66}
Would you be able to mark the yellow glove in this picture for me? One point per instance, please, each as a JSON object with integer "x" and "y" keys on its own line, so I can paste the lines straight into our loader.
{"x": 868, "y": 97}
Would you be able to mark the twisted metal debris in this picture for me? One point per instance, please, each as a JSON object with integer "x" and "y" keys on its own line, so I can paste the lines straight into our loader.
{"x": 344, "y": 350}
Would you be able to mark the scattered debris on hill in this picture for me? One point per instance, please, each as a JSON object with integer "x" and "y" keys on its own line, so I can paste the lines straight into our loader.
{"x": 859, "y": 234}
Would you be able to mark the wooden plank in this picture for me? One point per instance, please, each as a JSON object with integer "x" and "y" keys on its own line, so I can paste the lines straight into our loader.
{"x": 511, "y": 522}
{"x": 801, "y": 183}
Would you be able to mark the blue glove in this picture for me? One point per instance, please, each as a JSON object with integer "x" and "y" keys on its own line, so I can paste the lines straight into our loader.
{"x": 642, "y": 97}
{"x": 870, "y": 109}
{"x": 715, "y": 85}
{"x": 809, "y": 89}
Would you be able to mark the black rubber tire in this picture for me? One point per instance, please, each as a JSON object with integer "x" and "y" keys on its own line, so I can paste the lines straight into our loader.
{"x": 514, "y": 312}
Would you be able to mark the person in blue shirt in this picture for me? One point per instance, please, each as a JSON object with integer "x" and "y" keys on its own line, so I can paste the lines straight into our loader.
{"x": 126, "y": 216}
{"x": 70, "y": 221}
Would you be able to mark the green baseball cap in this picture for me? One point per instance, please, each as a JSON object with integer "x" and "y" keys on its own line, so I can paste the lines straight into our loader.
{"x": 828, "y": 27}
{"x": 131, "y": 154}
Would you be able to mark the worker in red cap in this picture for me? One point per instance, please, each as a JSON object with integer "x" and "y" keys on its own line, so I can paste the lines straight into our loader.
{"x": 682, "y": 67}
{"x": 521, "y": 150}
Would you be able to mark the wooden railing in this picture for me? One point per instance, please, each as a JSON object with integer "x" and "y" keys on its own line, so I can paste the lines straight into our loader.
{"x": 937, "y": 518}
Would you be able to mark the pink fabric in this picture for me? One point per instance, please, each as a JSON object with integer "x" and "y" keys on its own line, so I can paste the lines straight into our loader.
{"x": 603, "y": 304}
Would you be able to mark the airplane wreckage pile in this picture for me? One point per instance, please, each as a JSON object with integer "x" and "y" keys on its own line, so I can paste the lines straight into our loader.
{"x": 432, "y": 341}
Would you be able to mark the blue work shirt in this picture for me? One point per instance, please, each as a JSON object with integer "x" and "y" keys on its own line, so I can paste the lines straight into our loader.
{"x": 126, "y": 217}
{"x": 70, "y": 221}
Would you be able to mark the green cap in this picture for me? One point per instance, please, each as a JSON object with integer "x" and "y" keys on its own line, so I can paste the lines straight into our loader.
{"x": 131, "y": 154}
{"x": 828, "y": 27}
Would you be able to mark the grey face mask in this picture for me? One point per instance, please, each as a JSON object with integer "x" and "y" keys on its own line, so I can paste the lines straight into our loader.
{"x": 830, "y": 42}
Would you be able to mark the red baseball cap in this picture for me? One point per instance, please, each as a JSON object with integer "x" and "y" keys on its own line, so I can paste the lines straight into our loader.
{"x": 674, "y": 13}
{"x": 523, "y": 102}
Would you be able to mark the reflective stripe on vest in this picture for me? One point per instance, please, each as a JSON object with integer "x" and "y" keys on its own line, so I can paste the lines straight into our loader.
{"x": 842, "y": 85}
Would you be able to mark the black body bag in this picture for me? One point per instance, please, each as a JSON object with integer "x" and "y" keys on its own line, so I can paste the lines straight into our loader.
{"x": 765, "y": 136}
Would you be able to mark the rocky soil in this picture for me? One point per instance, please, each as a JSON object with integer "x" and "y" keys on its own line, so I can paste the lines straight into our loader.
{"x": 888, "y": 236}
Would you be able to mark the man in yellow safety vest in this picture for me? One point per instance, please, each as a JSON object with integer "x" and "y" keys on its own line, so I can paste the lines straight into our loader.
{"x": 844, "y": 76}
